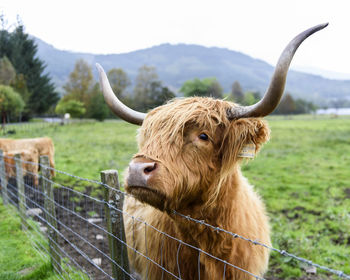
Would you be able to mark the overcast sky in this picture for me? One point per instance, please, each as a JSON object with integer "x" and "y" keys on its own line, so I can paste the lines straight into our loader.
{"x": 259, "y": 28}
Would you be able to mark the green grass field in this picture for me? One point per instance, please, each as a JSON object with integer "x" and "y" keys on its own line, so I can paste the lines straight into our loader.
{"x": 19, "y": 259}
{"x": 303, "y": 175}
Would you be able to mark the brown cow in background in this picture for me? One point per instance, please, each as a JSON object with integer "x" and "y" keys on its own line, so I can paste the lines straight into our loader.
{"x": 44, "y": 147}
{"x": 189, "y": 158}
{"x": 30, "y": 163}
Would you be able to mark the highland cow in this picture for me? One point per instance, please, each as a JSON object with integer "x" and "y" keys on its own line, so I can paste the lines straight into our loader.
{"x": 189, "y": 158}
{"x": 43, "y": 146}
{"x": 30, "y": 163}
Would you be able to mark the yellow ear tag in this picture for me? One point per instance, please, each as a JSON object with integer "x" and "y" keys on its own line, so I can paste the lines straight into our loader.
{"x": 248, "y": 151}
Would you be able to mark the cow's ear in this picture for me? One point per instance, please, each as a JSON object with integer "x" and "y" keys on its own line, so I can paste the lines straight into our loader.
{"x": 243, "y": 138}
{"x": 259, "y": 133}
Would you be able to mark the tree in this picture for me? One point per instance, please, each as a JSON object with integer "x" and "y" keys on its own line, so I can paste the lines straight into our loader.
{"x": 156, "y": 96}
{"x": 339, "y": 103}
{"x": 10, "y": 103}
{"x": 237, "y": 94}
{"x": 119, "y": 81}
{"x": 149, "y": 91}
{"x": 165, "y": 95}
{"x": 97, "y": 107}
{"x": 205, "y": 87}
{"x": 9, "y": 77}
{"x": 287, "y": 105}
{"x": 159, "y": 95}
{"x": 73, "y": 107}
{"x": 142, "y": 90}
{"x": 7, "y": 71}
{"x": 146, "y": 76}
{"x": 304, "y": 107}
{"x": 250, "y": 98}
{"x": 215, "y": 89}
{"x": 80, "y": 82}
{"x": 194, "y": 88}
{"x": 5, "y": 38}
{"x": 22, "y": 52}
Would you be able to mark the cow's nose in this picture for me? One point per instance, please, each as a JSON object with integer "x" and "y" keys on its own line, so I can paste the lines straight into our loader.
{"x": 142, "y": 167}
{"x": 148, "y": 167}
{"x": 140, "y": 172}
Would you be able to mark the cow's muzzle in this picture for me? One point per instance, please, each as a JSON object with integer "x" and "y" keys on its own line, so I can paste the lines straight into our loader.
{"x": 140, "y": 172}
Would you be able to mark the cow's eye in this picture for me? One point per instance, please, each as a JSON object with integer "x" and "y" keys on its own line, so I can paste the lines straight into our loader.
{"x": 203, "y": 136}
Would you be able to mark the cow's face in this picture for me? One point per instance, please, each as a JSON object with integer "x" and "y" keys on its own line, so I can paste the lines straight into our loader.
{"x": 188, "y": 148}
{"x": 185, "y": 148}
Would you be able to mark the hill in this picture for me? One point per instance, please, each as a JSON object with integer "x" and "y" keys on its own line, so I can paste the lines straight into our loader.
{"x": 176, "y": 64}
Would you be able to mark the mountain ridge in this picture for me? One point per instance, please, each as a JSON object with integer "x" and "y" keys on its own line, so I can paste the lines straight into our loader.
{"x": 178, "y": 63}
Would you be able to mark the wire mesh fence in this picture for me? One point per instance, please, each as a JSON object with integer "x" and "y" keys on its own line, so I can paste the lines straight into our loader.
{"x": 79, "y": 225}
{"x": 13, "y": 128}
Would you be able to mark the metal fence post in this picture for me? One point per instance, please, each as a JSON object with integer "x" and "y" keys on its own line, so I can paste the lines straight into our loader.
{"x": 115, "y": 225}
{"x": 3, "y": 178}
{"x": 50, "y": 213}
{"x": 20, "y": 190}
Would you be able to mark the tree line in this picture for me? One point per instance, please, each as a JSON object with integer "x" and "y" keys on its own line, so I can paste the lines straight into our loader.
{"x": 83, "y": 97}
{"x": 287, "y": 106}
{"x": 26, "y": 91}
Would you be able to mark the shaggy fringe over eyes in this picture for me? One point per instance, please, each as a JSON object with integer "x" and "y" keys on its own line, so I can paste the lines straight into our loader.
{"x": 162, "y": 133}
{"x": 172, "y": 118}
{"x": 237, "y": 134}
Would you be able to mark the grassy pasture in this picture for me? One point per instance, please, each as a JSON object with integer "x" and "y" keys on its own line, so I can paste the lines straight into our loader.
{"x": 302, "y": 173}
{"x": 18, "y": 258}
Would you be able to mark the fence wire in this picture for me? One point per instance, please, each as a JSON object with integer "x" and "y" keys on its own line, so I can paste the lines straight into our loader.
{"x": 20, "y": 127}
{"x": 76, "y": 236}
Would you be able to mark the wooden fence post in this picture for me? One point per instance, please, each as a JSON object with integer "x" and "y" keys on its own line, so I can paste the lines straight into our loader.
{"x": 50, "y": 213}
{"x": 3, "y": 179}
{"x": 115, "y": 224}
{"x": 20, "y": 190}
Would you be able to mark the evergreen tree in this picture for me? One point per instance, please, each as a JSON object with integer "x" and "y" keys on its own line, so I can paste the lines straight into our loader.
{"x": 21, "y": 51}
{"x": 5, "y": 39}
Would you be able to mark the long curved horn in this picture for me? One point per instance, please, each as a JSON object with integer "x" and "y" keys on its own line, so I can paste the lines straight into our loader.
{"x": 274, "y": 93}
{"x": 115, "y": 104}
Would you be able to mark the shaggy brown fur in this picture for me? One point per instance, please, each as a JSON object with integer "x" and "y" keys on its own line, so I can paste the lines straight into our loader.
{"x": 30, "y": 164}
{"x": 201, "y": 179}
{"x": 44, "y": 146}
